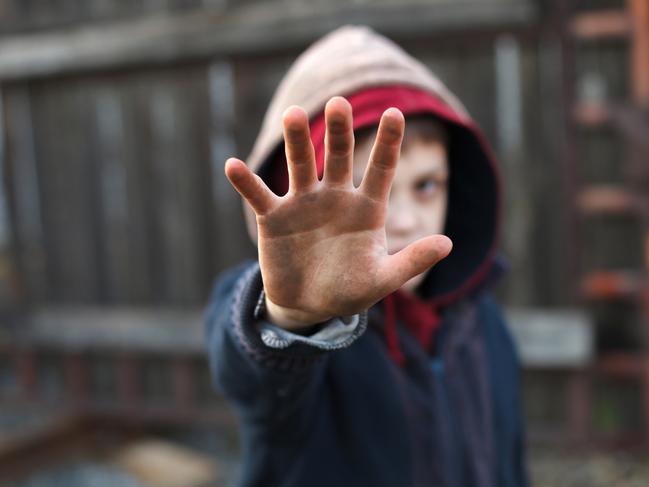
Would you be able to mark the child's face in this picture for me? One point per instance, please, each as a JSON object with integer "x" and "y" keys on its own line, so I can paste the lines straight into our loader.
{"x": 418, "y": 199}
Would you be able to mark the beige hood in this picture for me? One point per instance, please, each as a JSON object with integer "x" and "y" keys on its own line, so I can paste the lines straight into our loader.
{"x": 344, "y": 61}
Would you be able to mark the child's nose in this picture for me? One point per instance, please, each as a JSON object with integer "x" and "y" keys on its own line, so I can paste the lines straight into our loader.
{"x": 401, "y": 219}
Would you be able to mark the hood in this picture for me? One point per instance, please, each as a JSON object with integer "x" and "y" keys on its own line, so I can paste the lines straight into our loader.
{"x": 353, "y": 59}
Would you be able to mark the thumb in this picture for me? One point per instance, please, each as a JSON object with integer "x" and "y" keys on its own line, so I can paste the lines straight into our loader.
{"x": 416, "y": 258}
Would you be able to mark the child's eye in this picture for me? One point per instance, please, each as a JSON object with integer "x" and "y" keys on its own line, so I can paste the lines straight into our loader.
{"x": 427, "y": 187}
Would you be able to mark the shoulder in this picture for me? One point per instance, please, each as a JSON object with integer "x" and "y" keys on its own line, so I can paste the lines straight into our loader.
{"x": 498, "y": 338}
{"x": 490, "y": 309}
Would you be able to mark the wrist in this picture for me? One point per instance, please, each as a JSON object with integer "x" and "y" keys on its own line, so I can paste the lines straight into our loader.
{"x": 289, "y": 318}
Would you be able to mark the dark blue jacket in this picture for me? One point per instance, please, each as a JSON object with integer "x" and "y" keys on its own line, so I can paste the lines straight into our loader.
{"x": 352, "y": 417}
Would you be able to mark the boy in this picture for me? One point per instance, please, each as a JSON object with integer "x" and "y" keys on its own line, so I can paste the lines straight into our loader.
{"x": 350, "y": 359}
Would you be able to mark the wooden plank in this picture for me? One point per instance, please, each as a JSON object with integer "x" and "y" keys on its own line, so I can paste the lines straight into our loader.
{"x": 183, "y": 383}
{"x": 27, "y": 373}
{"x": 611, "y": 285}
{"x": 580, "y": 405}
{"x": 241, "y": 28}
{"x": 620, "y": 365}
{"x": 566, "y": 59}
{"x": 121, "y": 273}
{"x": 646, "y": 254}
{"x": 25, "y": 195}
{"x": 8, "y": 295}
{"x": 69, "y": 189}
{"x": 601, "y": 23}
{"x": 193, "y": 91}
{"x": 551, "y": 245}
{"x": 507, "y": 69}
{"x": 5, "y": 229}
{"x": 136, "y": 159}
{"x": 640, "y": 51}
{"x": 127, "y": 378}
{"x": 231, "y": 242}
{"x": 20, "y": 16}
{"x": 76, "y": 377}
{"x": 180, "y": 185}
{"x": 162, "y": 414}
{"x": 605, "y": 199}
{"x": 552, "y": 339}
{"x": 171, "y": 226}
{"x": 7, "y": 14}
{"x": 144, "y": 330}
{"x": 509, "y": 99}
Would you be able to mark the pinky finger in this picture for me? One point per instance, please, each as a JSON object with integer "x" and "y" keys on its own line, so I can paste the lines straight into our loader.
{"x": 250, "y": 186}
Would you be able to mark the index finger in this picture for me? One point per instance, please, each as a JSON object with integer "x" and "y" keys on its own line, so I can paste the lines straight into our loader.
{"x": 300, "y": 156}
{"x": 384, "y": 156}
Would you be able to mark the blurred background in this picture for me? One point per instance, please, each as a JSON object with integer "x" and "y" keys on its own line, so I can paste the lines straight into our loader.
{"x": 116, "y": 118}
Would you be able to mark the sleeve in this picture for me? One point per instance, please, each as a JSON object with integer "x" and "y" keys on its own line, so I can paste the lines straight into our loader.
{"x": 505, "y": 371}
{"x": 332, "y": 335}
{"x": 263, "y": 369}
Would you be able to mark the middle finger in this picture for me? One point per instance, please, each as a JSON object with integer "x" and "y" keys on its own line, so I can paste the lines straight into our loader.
{"x": 339, "y": 142}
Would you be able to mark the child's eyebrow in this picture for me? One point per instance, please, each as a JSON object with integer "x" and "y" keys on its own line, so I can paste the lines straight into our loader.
{"x": 437, "y": 171}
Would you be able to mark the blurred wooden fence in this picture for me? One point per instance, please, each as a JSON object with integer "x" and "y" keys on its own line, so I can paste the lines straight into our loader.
{"x": 111, "y": 187}
{"x": 117, "y": 117}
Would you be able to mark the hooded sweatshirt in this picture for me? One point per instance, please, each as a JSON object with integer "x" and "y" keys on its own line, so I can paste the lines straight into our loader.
{"x": 369, "y": 405}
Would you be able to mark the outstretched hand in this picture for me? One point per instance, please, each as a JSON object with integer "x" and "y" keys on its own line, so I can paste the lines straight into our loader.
{"x": 322, "y": 246}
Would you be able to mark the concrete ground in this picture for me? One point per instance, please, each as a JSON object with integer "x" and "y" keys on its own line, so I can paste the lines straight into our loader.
{"x": 561, "y": 468}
